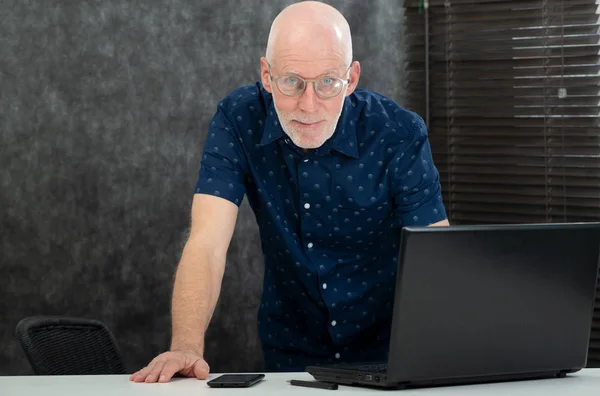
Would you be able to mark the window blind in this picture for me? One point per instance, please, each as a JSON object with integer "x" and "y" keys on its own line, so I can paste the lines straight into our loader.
{"x": 510, "y": 91}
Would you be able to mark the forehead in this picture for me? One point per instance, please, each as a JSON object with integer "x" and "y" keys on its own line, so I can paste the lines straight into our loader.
{"x": 308, "y": 67}
{"x": 310, "y": 72}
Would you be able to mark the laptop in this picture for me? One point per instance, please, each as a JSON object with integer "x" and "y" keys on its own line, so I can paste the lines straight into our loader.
{"x": 485, "y": 303}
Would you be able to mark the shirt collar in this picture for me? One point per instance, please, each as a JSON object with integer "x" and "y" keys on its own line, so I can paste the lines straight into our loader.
{"x": 343, "y": 139}
{"x": 272, "y": 130}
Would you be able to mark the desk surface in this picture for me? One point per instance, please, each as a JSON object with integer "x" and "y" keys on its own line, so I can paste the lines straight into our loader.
{"x": 585, "y": 382}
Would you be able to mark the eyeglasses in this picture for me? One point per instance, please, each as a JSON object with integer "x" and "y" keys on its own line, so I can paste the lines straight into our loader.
{"x": 326, "y": 87}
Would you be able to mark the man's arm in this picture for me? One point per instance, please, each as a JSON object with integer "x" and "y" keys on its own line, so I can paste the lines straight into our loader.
{"x": 200, "y": 271}
{"x": 196, "y": 290}
{"x": 415, "y": 181}
{"x": 440, "y": 223}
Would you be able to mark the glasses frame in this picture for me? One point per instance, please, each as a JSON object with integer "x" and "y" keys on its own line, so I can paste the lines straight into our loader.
{"x": 306, "y": 81}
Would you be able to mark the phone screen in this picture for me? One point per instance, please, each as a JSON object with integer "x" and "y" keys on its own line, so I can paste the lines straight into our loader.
{"x": 235, "y": 380}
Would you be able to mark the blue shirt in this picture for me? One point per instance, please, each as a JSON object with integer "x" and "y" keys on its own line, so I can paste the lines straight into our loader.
{"x": 329, "y": 220}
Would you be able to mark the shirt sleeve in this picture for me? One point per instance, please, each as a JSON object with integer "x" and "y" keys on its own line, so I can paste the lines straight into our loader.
{"x": 223, "y": 167}
{"x": 415, "y": 180}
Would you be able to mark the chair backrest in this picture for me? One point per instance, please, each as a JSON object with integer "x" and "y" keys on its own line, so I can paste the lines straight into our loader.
{"x": 69, "y": 346}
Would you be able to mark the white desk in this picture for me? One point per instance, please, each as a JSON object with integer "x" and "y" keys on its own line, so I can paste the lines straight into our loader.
{"x": 585, "y": 382}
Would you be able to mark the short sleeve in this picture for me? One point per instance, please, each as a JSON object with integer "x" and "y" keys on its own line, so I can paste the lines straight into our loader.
{"x": 222, "y": 168}
{"x": 415, "y": 180}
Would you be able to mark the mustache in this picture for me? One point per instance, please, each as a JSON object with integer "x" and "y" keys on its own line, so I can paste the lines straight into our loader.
{"x": 306, "y": 120}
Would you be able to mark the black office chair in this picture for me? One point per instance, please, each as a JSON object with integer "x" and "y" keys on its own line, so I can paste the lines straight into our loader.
{"x": 69, "y": 346}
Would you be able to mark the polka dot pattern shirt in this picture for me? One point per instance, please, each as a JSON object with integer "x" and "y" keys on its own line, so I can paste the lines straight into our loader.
{"x": 329, "y": 220}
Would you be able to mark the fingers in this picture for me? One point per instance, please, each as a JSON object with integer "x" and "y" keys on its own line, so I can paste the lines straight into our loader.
{"x": 201, "y": 369}
{"x": 168, "y": 371}
{"x": 140, "y": 376}
{"x": 155, "y": 371}
{"x": 165, "y": 366}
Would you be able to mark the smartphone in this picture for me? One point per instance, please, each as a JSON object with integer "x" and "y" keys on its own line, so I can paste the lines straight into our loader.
{"x": 235, "y": 380}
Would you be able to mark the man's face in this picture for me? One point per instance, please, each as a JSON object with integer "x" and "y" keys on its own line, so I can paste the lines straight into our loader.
{"x": 308, "y": 119}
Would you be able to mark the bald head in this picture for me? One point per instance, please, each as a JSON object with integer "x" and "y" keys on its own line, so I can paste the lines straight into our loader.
{"x": 311, "y": 28}
{"x": 309, "y": 40}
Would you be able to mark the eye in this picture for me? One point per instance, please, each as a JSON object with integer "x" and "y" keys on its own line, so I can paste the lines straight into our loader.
{"x": 327, "y": 81}
{"x": 290, "y": 80}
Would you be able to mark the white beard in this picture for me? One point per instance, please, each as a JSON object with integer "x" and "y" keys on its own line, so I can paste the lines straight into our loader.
{"x": 309, "y": 138}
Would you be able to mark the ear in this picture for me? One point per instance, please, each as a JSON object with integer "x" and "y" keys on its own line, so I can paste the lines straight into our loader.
{"x": 264, "y": 75}
{"x": 354, "y": 77}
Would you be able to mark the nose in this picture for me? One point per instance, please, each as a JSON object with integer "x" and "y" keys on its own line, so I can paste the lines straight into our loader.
{"x": 309, "y": 100}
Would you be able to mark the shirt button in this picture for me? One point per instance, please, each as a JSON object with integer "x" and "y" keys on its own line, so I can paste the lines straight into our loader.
{"x": 306, "y": 206}
{"x": 305, "y": 159}
{"x": 333, "y": 322}
{"x": 324, "y": 286}
{"x": 310, "y": 245}
{"x": 337, "y": 355}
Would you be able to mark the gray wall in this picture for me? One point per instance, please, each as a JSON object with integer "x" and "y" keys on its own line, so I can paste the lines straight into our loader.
{"x": 103, "y": 113}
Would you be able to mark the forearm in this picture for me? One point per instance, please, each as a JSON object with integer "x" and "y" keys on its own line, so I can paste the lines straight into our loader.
{"x": 195, "y": 294}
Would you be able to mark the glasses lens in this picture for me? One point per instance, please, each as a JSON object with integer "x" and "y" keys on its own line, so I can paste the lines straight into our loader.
{"x": 290, "y": 85}
{"x": 329, "y": 86}
{"x": 326, "y": 87}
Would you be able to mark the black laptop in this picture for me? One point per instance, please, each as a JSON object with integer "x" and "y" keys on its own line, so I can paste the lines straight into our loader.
{"x": 478, "y": 304}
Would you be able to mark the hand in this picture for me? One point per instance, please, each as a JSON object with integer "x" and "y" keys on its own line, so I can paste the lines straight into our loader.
{"x": 164, "y": 366}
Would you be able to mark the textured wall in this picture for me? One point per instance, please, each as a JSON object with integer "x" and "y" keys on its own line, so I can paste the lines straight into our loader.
{"x": 103, "y": 112}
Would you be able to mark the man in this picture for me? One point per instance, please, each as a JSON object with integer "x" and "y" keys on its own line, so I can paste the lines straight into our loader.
{"x": 332, "y": 173}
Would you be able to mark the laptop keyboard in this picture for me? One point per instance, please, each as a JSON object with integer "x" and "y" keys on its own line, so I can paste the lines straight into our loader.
{"x": 372, "y": 368}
